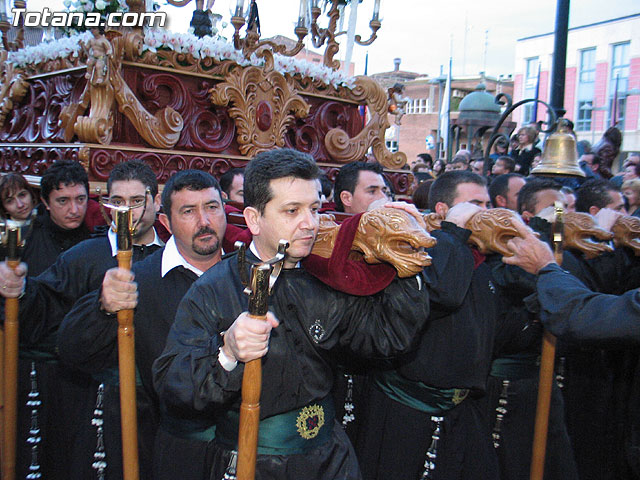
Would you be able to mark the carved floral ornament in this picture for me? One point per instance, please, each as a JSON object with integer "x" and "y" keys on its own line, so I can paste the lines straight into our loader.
{"x": 345, "y": 149}
{"x": 105, "y": 88}
{"x": 264, "y": 105}
{"x": 266, "y": 90}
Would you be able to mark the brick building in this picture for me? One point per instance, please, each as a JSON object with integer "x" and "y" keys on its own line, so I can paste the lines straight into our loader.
{"x": 423, "y": 110}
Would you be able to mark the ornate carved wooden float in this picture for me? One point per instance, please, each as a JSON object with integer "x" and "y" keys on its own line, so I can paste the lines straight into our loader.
{"x": 180, "y": 102}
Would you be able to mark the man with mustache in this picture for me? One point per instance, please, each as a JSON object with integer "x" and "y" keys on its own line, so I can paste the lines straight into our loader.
{"x": 194, "y": 214}
{"x": 45, "y": 299}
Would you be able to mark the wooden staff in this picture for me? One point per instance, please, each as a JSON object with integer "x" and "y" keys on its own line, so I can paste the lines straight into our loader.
{"x": 547, "y": 360}
{"x": 10, "y": 387}
{"x": 252, "y": 380}
{"x": 126, "y": 356}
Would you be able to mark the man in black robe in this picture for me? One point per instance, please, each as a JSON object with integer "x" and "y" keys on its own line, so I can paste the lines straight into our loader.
{"x": 45, "y": 299}
{"x": 194, "y": 214}
{"x": 512, "y": 386}
{"x": 423, "y": 419}
{"x": 202, "y": 365}
{"x": 64, "y": 190}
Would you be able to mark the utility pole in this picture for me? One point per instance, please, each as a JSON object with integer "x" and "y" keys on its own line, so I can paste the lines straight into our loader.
{"x": 559, "y": 57}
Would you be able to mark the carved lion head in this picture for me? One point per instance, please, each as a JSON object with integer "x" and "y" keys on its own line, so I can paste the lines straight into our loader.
{"x": 492, "y": 229}
{"x": 394, "y": 236}
{"x": 626, "y": 232}
{"x": 582, "y": 233}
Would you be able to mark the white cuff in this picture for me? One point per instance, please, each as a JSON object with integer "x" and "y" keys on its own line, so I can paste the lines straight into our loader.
{"x": 226, "y": 362}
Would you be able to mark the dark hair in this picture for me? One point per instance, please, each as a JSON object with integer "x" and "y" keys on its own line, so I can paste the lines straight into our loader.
{"x": 134, "y": 170}
{"x": 594, "y": 193}
{"x": 500, "y": 186}
{"x": 445, "y": 187}
{"x": 420, "y": 196}
{"x": 326, "y": 184}
{"x": 272, "y": 165}
{"x": 62, "y": 173}
{"x": 227, "y": 178}
{"x": 194, "y": 180}
{"x": 347, "y": 179}
{"x": 527, "y": 195}
{"x": 10, "y": 184}
{"x": 508, "y": 162}
{"x": 502, "y": 142}
{"x": 427, "y": 159}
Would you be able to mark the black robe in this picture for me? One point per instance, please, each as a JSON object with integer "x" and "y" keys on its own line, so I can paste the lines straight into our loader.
{"x": 44, "y": 243}
{"x": 598, "y": 374}
{"x": 47, "y": 299}
{"x": 454, "y": 352}
{"x": 298, "y": 368}
{"x": 88, "y": 341}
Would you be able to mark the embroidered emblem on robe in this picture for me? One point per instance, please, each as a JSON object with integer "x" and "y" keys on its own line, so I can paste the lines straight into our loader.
{"x": 310, "y": 421}
{"x": 316, "y": 331}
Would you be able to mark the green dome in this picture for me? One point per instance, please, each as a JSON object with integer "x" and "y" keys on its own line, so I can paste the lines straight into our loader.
{"x": 479, "y": 100}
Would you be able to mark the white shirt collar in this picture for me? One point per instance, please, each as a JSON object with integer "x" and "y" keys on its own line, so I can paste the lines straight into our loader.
{"x": 113, "y": 241}
{"x": 254, "y": 250}
{"x": 171, "y": 258}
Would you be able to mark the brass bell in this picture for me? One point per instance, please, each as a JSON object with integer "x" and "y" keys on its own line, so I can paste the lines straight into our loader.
{"x": 559, "y": 155}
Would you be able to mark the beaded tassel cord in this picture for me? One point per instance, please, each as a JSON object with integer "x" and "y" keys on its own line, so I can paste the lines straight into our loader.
{"x": 230, "y": 472}
{"x": 348, "y": 403}
{"x": 34, "y": 438}
{"x": 99, "y": 456}
{"x": 501, "y": 411}
{"x": 432, "y": 452}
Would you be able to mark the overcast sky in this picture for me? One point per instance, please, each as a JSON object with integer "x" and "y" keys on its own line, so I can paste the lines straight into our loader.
{"x": 421, "y": 32}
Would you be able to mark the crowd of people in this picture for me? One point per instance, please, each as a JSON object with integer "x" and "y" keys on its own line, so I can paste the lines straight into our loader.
{"x": 433, "y": 376}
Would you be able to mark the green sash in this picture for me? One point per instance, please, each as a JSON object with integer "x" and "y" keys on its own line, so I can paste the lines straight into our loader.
{"x": 294, "y": 432}
{"x": 417, "y": 395}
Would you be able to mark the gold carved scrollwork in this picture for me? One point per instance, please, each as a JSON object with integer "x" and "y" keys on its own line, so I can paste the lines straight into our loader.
{"x": 105, "y": 87}
{"x": 344, "y": 149}
{"x": 13, "y": 87}
{"x": 265, "y": 104}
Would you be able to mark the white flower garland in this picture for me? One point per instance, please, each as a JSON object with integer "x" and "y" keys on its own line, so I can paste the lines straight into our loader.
{"x": 155, "y": 39}
{"x": 64, "y": 47}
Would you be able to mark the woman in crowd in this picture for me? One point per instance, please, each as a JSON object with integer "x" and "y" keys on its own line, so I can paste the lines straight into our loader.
{"x": 17, "y": 198}
{"x": 526, "y": 149}
{"x": 631, "y": 191}
{"x": 438, "y": 168}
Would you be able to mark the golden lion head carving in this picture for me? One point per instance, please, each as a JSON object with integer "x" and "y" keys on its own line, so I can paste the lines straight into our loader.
{"x": 394, "y": 236}
{"x": 626, "y": 232}
{"x": 492, "y": 229}
{"x": 383, "y": 235}
{"x": 580, "y": 230}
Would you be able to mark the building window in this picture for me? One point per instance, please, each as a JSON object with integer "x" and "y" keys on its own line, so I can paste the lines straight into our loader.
{"x": 392, "y": 145}
{"x": 618, "y": 82}
{"x": 586, "y": 83}
{"x": 530, "y": 82}
{"x": 583, "y": 118}
{"x": 418, "y": 106}
{"x": 588, "y": 65}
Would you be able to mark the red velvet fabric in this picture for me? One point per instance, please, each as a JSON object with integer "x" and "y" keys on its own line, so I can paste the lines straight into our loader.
{"x": 478, "y": 257}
